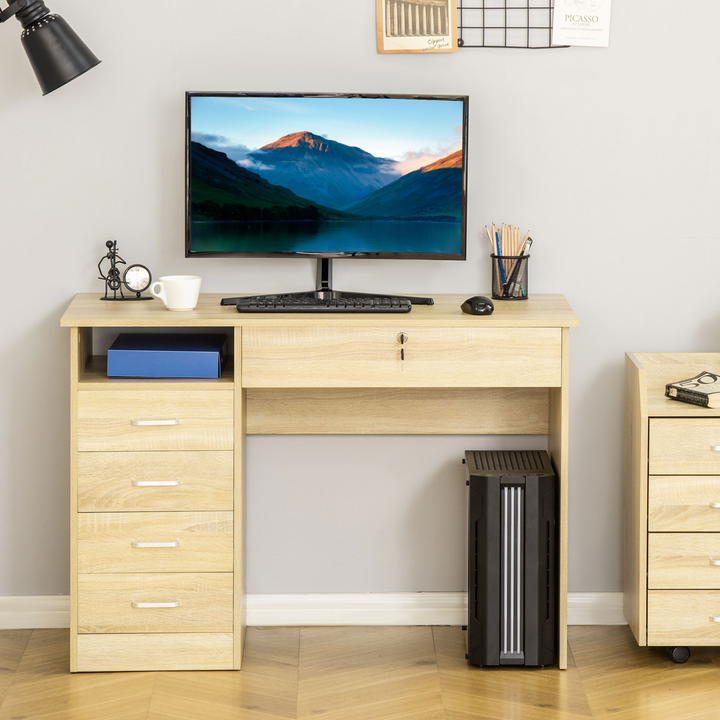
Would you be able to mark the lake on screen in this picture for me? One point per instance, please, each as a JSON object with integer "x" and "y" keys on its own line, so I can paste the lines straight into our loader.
{"x": 341, "y": 236}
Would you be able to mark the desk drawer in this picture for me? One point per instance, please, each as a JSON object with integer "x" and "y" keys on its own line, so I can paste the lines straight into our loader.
{"x": 683, "y": 560}
{"x": 155, "y": 651}
{"x": 196, "y": 603}
{"x": 684, "y": 446}
{"x": 155, "y": 420}
{"x": 684, "y": 504}
{"x": 155, "y": 542}
{"x": 683, "y": 617}
{"x": 370, "y": 357}
{"x": 126, "y": 481}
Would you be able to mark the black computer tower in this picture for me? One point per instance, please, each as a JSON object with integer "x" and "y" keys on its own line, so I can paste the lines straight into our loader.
{"x": 512, "y": 558}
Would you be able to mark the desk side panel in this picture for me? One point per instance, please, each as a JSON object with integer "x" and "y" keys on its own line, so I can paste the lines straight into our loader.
{"x": 558, "y": 450}
{"x": 635, "y": 500}
{"x": 80, "y": 352}
{"x": 239, "y": 507}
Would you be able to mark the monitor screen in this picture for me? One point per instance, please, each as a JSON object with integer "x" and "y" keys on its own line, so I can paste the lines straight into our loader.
{"x": 326, "y": 175}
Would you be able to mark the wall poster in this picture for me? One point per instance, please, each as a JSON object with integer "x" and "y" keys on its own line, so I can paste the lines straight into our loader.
{"x": 583, "y": 23}
{"x": 416, "y": 26}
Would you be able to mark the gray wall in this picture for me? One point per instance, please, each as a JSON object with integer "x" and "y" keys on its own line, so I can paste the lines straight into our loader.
{"x": 610, "y": 157}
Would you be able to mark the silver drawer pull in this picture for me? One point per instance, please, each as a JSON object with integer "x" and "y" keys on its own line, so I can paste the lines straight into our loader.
{"x": 714, "y": 618}
{"x": 157, "y": 605}
{"x": 177, "y": 542}
{"x": 164, "y": 483}
{"x": 156, "y": 422}
{"x": 713, "y": 561}
{"x": 715, "y": 504}
{"x": 716, "y": 448}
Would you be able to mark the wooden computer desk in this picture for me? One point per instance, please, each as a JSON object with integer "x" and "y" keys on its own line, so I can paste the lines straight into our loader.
{"x": 177, "y": 473}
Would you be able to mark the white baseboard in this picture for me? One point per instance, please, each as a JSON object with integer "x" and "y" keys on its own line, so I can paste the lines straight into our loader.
{"x": 432, "y": 608}
{"x": 596, "y": 608}
{"x": 34, "y": 611}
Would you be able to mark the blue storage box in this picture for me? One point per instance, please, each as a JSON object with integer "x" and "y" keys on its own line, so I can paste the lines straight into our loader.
{"x": 166, "y": 356}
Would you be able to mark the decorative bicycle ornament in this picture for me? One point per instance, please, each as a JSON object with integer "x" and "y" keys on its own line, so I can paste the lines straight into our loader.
{"x": 136, "y": 278}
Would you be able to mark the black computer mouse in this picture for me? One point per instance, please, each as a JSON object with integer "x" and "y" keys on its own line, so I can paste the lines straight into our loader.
{"x": 478, "y": 305}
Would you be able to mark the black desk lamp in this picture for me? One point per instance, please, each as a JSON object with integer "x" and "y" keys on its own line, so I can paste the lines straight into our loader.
{"x": 56, "y": 53}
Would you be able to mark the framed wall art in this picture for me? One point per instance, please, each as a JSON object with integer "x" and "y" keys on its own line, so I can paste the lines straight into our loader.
{"x": 416, "y": 26}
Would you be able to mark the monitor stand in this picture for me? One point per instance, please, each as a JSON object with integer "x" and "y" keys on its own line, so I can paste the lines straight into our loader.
{"x": 324, "y": 290}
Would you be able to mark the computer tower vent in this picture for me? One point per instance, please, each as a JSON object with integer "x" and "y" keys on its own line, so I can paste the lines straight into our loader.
{"x": 512, "y": 549}
{"x": 512, "y": 569}
{"x": 506, "y": 461}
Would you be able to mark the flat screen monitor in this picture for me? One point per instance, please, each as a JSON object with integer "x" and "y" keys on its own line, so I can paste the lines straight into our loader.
{"x": 326, "y": 175}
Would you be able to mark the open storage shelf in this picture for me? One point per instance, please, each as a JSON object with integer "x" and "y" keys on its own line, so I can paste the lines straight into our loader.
{"x": 94, "y": 377}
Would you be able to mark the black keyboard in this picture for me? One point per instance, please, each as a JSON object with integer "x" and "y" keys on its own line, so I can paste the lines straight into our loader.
{"x": 289, "y": 304}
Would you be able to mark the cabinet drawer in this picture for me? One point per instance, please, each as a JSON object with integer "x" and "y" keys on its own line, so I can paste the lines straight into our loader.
{"x": 155, "y": 420}
{"x": 683, "y": 617}
{"x": 155, "y": 651}
{"x": 684, "y": 446}
{"x": 370, "y": 357}
{"x": 123, "y": 481}
{"x": 683, "y": 560}
{"x": 155, "y": 542}
{"x": 684, "y": 503}
{"x": 197, "y": 602}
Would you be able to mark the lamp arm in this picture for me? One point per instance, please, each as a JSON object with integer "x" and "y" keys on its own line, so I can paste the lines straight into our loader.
{"x": 12, "y": 10}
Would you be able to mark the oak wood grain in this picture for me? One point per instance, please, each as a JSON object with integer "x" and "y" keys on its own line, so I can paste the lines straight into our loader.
{"x": 635, "y": 499}
{"x": 397, "y": 411}
{"x": 682, "y": 503}
{"x": 682, "y": 560}
{"x": 684, "y": 446}
{"x": 155, "y": 651}
{"x": 323, "y": 357}
{"x": 558, "y": 449}
{"x": 107, "y": 481}
{"x": 682, "y": 617}
{"x": 540, "y": 311}
{"x": 205, "y": 603}
{"x": 204, "y": 420}
{"x": 106, "y": 542}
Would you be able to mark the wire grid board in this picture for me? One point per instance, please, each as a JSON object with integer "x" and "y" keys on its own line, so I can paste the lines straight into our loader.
{"x": 505, "y": 24}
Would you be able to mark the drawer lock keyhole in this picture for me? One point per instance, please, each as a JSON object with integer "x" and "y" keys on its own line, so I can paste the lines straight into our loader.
{"x": 402, "y": 338}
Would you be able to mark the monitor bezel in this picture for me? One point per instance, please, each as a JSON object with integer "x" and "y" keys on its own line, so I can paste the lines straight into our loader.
{"x": 382, "y": 255}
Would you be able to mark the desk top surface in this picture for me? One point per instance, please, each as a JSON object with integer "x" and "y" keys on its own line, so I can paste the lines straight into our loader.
{"x": 87, "y": 310}
{"x": 661, "y": 368}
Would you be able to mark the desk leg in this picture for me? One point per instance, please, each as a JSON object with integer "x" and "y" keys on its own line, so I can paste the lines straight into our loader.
{"x": 558, "y": 449}
{"x": 239, "y": 505}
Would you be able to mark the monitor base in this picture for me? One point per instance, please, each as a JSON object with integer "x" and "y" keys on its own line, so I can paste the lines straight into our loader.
{"x": 324, "y": 290}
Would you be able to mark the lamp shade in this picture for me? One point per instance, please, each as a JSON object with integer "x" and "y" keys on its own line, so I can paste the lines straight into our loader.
{"x": 56, "y": 53}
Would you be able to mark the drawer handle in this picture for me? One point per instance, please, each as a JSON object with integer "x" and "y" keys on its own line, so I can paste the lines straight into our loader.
{"x": 713, "y": 618}
{"x": 715, "y": 505}
{"x": 716, "y": 448}
{"x": 176, "y": 543}
{"x": 155, "y": 605}
{"x": 154, "y": 422}
{"x": 165, "y": 483}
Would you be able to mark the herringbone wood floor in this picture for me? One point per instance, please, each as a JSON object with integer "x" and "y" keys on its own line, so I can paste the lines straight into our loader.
{"x": 349, "y": 673}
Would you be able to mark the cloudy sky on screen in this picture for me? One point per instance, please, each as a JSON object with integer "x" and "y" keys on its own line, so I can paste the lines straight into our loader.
{"x": 411, "y": 132}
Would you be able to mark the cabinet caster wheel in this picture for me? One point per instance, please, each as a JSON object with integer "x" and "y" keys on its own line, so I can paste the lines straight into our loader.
{"x": 679, "y": 654}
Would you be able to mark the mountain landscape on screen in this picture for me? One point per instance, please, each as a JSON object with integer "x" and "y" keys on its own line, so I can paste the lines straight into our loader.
{"x": 302, "y": 176}
{"x": 323, "y": 170}
{"x": 433, "y": 191}
{"x": 223, "y": 190}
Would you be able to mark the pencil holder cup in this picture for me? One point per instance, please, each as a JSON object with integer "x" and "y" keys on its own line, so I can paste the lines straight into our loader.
{"x": 510, "y": 277}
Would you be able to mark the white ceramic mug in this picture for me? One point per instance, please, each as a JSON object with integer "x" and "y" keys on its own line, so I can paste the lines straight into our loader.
{"x": 178, "y": 292}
